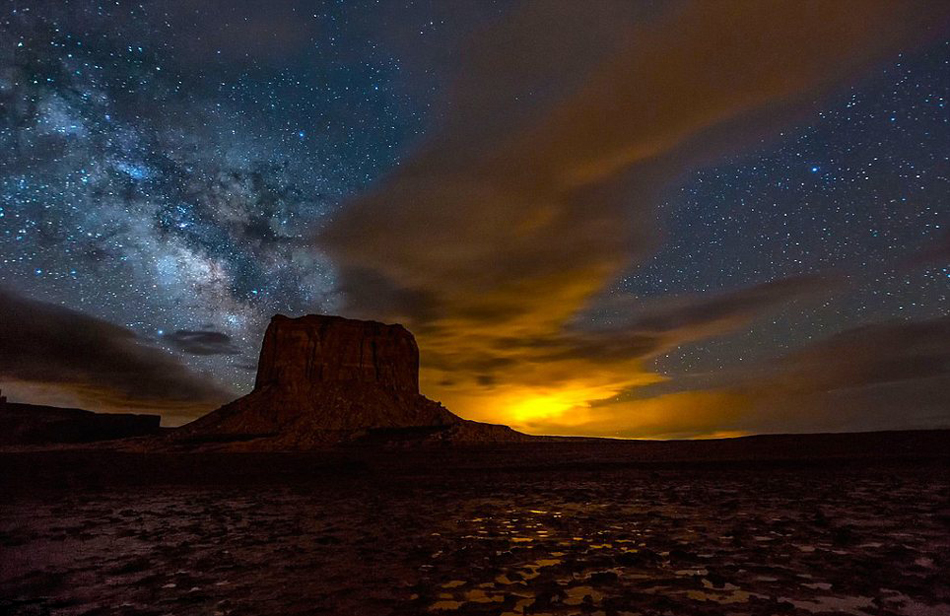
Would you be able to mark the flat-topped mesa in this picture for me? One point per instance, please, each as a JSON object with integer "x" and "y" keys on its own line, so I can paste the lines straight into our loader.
{"x": 324, "y": 379}
{"x": 314, "y": 349}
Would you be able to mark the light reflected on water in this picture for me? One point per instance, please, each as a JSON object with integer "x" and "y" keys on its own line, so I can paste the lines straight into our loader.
{"x": 547, "y": 567}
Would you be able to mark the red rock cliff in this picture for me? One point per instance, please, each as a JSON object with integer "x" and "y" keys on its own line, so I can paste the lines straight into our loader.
{"x": 323, "y": 379}
{"x": 323, "y": 349}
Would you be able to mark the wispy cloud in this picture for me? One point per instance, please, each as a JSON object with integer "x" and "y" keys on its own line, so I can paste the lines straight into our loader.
{"x": 539, "y": 187}
{"x": 202, "y": 342}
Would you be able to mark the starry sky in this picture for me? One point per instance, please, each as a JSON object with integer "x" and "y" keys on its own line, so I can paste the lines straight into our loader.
{"x": 617, "y": 219}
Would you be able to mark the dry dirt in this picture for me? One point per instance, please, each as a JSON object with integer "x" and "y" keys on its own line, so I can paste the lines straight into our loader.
{"x": 355, "y": 537}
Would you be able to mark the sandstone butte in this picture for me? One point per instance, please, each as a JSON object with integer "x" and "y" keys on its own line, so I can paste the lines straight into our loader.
{"x": 327, "y": 379}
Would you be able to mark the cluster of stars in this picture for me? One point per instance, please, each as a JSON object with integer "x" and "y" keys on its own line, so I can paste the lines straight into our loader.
{"x": 169, "y": 174}
{"x": 156, "y": 185}
{"x": 858, "y": 191}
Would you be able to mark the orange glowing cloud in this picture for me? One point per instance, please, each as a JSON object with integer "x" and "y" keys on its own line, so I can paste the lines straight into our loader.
{"x": 689, "y": 414}
{"x": 512, "y": 220}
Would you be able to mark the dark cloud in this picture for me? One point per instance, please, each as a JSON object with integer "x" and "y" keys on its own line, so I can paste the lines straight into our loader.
{"x": 871, "y": 355}
{"x": 935, "y": 253}
{"x": 880, "y": 376}
{"x": 725, "y": 309}
{"x": 642, "y": 328}
{"x": 246, "y": 366}
{"x": 104, "y": 365}
{"x": 893, "y": 375}
{"x": 202, "y": 342}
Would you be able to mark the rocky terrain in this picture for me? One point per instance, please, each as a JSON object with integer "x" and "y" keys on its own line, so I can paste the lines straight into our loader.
{"x": 325, "y": 379}
{"x": 498, "y": 530}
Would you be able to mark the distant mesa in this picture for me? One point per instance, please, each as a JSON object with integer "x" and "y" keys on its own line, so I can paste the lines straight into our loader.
{"x": 327, "y": 379}
{"x": 32, "y": 424}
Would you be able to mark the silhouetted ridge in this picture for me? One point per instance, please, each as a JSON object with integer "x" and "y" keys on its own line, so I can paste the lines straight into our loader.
{"x": 32, "y": 424}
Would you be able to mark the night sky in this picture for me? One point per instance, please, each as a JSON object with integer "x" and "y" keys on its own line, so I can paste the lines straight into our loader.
{"x": 619, "y": 219}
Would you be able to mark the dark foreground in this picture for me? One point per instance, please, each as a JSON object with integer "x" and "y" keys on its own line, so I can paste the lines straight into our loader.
{"x": 586, "y": 528}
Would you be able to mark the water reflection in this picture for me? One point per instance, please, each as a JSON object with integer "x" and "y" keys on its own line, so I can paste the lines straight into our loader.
{"x": 555, "y": 561}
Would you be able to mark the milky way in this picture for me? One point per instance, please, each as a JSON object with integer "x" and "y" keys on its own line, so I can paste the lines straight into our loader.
{"x": 166, "y": 167}
{"x": 168, "y": 188}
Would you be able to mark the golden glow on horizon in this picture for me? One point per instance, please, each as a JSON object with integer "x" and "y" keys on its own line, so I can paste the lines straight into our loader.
{"x": 593, "y": 409}
{"x": 544, "y": 407}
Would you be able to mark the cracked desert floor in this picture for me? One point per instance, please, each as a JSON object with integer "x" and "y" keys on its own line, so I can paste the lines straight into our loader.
{"x": 462, "y": 536}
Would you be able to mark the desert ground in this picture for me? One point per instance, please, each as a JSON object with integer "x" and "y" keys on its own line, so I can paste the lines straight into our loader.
{"x": 582, "y": 528}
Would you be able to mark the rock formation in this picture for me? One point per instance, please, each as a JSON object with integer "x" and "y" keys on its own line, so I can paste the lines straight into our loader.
{"x": 325, "y": 379}
{"x": 315, "y": 350}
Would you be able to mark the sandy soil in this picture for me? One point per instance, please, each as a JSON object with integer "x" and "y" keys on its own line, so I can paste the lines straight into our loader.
{"x": 694, "y": 539}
